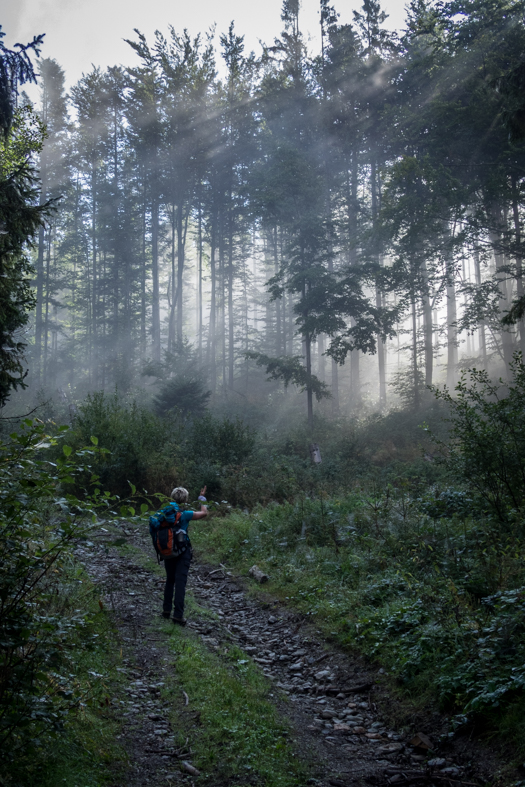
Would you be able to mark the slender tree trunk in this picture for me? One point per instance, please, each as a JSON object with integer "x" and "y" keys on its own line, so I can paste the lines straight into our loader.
{"x": 199, "y": 284}
{"x": 452, "y": 331}
{"x": 381, "y": 358}
{"x": 143, "y": 267}
{"x": 222, "y": 302}
{"x": 309, "y": 394}
{"x": 231, "y": 339}
{"x": 40, "y": 281}
{"x": 54, "y": 334}
{"x": 213, "y": 312}
{"x": 182, "y": 228}
{"x": 246, "y": 307}
{"x": 155, "y": 305}
{"x": 335, "y": 388}
{"x": 321, "y": 360}
{"x": 427, "y": 325}
{"x": 172, "y": 288}
{"x": 46, "y": 309}
{"x": 94, "y": 274}
{"x": 495, "y": 234}
{"x": 268, "y": 304}
{"x": 481, "y": 329}
{"x": 76, "y": 265}
{"x": 355, "y": 377}
{"x": 415, "y": 370}
{"x": 307, "y": 339}
{"x": 41, "y": 246}
{"x": 255, "y": 295}
{"x": 466, "y": 279}
{"x": 519, "y": 256}
{"x": 379, "y": 299}
{"x": 353, "y": 209}
{"x": 278, "y": 304}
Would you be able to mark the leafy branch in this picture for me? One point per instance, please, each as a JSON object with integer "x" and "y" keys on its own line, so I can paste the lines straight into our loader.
{"x": 290, "y": 369}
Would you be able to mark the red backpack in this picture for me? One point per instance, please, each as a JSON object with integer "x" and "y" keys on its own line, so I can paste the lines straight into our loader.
{"x": 168, "y": 538}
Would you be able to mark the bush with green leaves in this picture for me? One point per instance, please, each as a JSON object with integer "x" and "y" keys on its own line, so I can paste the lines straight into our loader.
{"x": 246, "y": 465}
{"x": 186, "y": 394}
{"x": 486, "y": 448}
{"x": 39, "y": 524}
{"x": 436, "y": 596}
{"x": 140, "y": 446}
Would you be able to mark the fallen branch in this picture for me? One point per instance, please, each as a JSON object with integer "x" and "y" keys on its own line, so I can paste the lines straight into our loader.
{"x": 214, "y": 572}
{"x": 259, "y": 575}
{"x": 186, "y": 766}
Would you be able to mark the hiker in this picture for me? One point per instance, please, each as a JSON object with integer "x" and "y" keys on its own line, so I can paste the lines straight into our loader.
{"x": 177, "y": 567}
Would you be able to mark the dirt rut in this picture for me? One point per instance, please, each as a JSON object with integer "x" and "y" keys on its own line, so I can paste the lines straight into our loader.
{"x": 331, "y": 700}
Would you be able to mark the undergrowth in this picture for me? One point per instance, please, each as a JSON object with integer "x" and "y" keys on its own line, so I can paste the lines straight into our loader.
{"x": 427, "y": 579}
{"x": 55, "y": 640}
{"x": 438, "y": 601}
{"x": 246, "y": 465}
{"x": 83, "y": 751}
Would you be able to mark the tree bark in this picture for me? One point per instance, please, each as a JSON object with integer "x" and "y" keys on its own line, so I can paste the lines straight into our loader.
{"x": 379, "y": 299}
{"x": 172, "y": 289}
{"x": 155, "y": 305}
{"x": 213, "y": 310}
{"x": 199, "y": 284}
{"x": 519, "y": 256}
{"x": 495, "y": 234}
{"x": 427, "y": 326}
{"x": 452, "y": 331}
{"x": 182, "y": 229}
{"x": 309, "y": 394}
{"x": 481, "y": 329}
{"x": 335, "y": 388}
{"x": 94, "y": 289}
{"x": 143, "y": 275}
{"x": 231, "y": 334}
{"x": 415, "y": 370}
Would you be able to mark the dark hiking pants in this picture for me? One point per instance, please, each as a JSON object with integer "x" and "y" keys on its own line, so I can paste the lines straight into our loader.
{"x": 176, "y": 577}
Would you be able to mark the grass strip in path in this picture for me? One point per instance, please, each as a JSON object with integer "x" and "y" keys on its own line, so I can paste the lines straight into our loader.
{"x": 236, "y": 734}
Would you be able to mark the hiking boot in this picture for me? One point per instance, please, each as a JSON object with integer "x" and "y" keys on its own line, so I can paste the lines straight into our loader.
{"x": 179, "y": 621}
{"x": 165, "y": 615}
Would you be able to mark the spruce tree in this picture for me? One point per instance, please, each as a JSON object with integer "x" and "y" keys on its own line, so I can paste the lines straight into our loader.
{"x": 20, "y": 214}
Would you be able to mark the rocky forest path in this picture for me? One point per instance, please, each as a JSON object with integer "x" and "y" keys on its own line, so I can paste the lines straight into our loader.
{"x": 329, "y": 699}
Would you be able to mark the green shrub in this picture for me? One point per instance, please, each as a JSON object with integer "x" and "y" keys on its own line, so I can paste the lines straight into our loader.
{"x": 38, "y": 524}
{"x": 247, "y": 466}
{"x": 141, "y": 446}
{"x": 185, "y": 394}
{"x": 438, "y": 600}
{"x": 486, "y": 449}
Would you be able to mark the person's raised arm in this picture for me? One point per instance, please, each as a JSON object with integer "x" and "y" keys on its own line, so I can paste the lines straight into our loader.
{"x": 204, "y": 509}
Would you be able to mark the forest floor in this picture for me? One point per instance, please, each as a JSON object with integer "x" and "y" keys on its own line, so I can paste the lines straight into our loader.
{"x": 249, "y": 693}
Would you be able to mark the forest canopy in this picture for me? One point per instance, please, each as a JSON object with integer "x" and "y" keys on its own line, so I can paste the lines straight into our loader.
{"x": 359, "y": 208}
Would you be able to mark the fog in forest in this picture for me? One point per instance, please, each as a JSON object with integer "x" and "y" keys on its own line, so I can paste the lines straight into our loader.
{"x": 348, "y": 220}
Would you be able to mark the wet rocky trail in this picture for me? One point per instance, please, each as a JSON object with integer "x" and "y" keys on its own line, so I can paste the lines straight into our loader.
{"x": 334, "y": 704}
